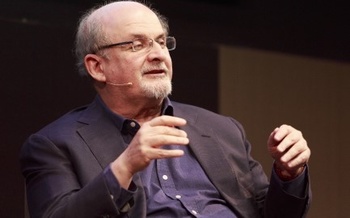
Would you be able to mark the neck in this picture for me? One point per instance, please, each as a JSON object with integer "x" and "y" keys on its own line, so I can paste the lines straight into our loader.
{"x": 141, "y": 110}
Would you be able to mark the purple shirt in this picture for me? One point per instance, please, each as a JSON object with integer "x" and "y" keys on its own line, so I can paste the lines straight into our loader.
{"x": 175, "y": 187}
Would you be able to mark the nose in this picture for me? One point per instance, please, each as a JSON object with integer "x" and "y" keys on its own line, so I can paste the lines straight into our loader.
{"x": 157, "y": 51}
{"x": 153, "y": 43}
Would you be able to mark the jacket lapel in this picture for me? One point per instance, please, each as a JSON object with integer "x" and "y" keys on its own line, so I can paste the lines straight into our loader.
{"x": 101, "y": 135}
{"x": 210, "y": 155}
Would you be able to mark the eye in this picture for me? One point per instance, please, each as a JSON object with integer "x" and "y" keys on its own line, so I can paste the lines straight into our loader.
{"x": 138, "y": 44}
{"x": 161, "y": 42}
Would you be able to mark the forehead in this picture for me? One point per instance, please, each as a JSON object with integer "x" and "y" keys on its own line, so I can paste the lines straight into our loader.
{"x": 135, "y": 19}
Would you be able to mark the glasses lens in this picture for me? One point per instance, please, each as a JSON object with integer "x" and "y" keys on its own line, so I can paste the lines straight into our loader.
{"x": 170, "y": 43}
{"x": 139, "y": 44}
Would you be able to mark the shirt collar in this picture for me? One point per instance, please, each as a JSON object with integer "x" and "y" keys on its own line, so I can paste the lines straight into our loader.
{"x": 122, "y": 123}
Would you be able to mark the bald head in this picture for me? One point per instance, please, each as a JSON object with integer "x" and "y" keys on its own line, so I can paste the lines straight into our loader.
{"x": 104, "y": 24}
{"x": 116, "y": 12}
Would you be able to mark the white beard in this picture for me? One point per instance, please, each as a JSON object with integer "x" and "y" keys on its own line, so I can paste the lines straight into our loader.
{"x": 158, "y": 88}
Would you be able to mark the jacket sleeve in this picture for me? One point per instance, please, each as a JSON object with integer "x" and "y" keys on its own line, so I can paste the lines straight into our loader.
{"x": 282, "y": 203}
{"x": 54, "y": 188}
{"x": 272, "y": 197}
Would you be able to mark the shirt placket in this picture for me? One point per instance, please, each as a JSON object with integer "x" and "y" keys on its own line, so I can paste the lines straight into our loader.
{"x": 168, "y": 185}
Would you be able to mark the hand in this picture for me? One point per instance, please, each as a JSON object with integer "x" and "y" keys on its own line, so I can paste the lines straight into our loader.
{"x": 147, "y": 146}
{"x": 289, "y": 150}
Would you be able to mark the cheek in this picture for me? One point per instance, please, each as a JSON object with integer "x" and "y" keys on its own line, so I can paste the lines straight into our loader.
{"x": 170, "y": 72}
{"x": 127, "y": 68}
{"x": 169, "y": 64}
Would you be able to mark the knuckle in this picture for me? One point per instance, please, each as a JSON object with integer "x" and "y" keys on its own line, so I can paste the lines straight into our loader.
{"x": 304, "y": 159}
{"x": 160, "y": 153}
{"x": 284, "y": 126}
{"x": 162, "y": 119}
{"x": 142, "y": 140}
{"x": 298, "y": 133}
{"x": 299, "y": 149}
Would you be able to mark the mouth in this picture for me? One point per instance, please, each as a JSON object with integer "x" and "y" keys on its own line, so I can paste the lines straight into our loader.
{"x": 157, "y": 72}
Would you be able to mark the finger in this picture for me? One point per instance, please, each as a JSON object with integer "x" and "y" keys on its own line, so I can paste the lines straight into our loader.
{"x": 158, "y": 153}
{"x": 165, "y": 130}
{"x": 282, "y": 132}
{"x": 160, "y": 140}
{"x": 292, "y": 138}
{"x": 294, "y": 151}
{"x": 167, "y": 121}
{"x": 271, "y": 141}
{"x": 300, "y": 160}
{"x": 278, "y": 134}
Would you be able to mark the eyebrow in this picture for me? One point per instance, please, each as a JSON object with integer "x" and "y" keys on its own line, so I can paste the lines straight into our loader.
{"x": 145, "y": 36}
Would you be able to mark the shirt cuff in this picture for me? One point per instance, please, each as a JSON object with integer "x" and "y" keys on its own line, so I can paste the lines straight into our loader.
{"x": 296, "y": 186}
{"x": 118, "y": 194}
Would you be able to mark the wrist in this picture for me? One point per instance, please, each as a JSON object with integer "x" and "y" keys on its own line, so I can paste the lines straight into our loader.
{"x": 287, "y": 175}
{"x": 121, "y": 173}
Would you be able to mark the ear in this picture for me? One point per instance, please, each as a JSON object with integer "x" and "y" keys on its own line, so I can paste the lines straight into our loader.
{"x": 94, "y": 66}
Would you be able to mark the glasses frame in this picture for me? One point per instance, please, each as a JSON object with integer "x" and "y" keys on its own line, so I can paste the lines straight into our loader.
{"x": 168, "y": 38}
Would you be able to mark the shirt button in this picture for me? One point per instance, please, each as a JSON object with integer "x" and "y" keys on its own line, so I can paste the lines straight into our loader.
{"x": 194, "y": 212}
{"x": 165, "y": 177}
{"x": 178, "y": 196}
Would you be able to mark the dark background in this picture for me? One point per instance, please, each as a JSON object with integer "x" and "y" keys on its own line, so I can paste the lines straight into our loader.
{"x": 39, "y": 81}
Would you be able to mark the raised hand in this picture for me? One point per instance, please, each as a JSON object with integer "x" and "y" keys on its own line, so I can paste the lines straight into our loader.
{"x": 290, "y": 151}
{"x": 147, "y": 146}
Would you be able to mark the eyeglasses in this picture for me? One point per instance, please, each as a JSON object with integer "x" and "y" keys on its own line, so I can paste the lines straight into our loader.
{"x": 145, "y": 44}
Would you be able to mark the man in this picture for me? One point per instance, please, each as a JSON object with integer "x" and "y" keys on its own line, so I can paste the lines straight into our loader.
{"x": 134, "y": 153}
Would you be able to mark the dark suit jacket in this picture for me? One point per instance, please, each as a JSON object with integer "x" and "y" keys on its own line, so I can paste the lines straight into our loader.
{"x": 63, "y": 165}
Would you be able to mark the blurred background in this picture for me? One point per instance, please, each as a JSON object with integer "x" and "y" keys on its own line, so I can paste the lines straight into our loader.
{"x": 263, "y": 62}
